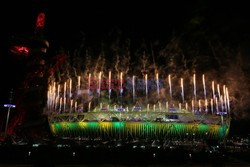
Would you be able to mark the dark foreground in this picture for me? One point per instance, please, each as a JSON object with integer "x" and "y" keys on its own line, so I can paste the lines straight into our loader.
{"x": 119, "y": 156}
{"x": 117, "y": 165}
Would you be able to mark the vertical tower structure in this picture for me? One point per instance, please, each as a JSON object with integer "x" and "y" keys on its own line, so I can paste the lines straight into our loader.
{"x": 29, "y": 53}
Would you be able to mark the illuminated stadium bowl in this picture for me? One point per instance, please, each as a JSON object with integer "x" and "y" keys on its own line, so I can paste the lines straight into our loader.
{"x": 90, "y": 109}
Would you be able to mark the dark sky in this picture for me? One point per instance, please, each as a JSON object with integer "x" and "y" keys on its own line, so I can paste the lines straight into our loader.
{"x": 154, "y": 20}
{"x": 65, "y": 20}
{"x": 99, "y": 21}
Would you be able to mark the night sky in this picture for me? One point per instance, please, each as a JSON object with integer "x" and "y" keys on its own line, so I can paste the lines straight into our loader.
{"x": 148, "y": 20}
{"x": 67, "y": 24}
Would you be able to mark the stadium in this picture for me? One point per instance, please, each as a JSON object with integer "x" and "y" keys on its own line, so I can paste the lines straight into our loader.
{"x": 76, "y": 111}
